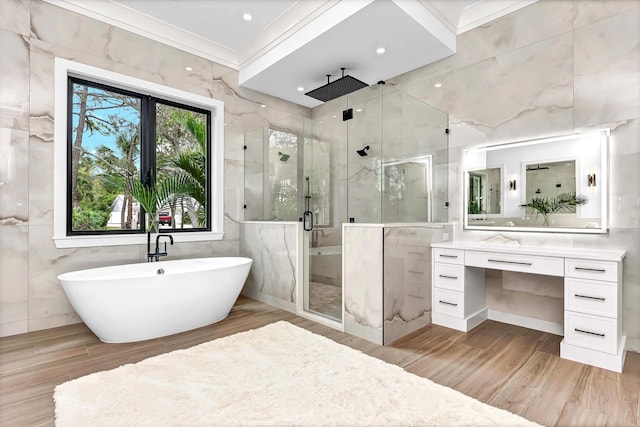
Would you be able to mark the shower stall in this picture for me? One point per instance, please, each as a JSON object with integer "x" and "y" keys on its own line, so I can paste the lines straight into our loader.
{"x": 375, "y": 156}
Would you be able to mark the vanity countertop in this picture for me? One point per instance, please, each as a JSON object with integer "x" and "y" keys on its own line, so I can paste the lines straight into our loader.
{"x": 507, "y": 248}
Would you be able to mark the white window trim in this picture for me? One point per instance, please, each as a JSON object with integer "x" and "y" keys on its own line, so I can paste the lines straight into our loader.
{"x": 65, "y": 68}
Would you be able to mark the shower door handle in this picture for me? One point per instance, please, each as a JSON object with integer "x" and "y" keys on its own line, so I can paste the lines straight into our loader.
{"x": 308, "y": 221}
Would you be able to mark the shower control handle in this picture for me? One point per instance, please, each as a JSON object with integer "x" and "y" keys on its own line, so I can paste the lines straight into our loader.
{"x": 307, "y": 223}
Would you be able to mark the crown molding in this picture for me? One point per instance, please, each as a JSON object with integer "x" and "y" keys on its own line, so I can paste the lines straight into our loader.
{"x": 431, "y": 22}
{"x": 144, "y": 25}
{"x": 442, "y": 17}
{"x": 485, "y": 11}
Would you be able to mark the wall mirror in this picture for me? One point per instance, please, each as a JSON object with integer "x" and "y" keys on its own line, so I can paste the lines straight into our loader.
{"x": 556, "y": 184}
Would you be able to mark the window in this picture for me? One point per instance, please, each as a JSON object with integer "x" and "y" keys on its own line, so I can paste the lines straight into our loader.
{"x": 116, "y": 138}
{"x": 121, "y": 133}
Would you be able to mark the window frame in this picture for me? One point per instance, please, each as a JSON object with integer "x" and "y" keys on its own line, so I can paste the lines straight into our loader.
{"x": 148, "y": 150}
{"x": 67, "y": 71}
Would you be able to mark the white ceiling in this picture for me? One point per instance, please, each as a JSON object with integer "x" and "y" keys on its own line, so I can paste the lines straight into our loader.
{"x": 294, "y": 43}
{"x": 217, "y": 20}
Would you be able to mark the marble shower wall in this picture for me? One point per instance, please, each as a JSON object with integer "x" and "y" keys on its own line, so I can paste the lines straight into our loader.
{"x": 362, "y": 282}
{"x": 387, "y": 279}
{"x": 556, "y": 66}
{"x": 32, "y": 34}
{"x": 273, "y": 247}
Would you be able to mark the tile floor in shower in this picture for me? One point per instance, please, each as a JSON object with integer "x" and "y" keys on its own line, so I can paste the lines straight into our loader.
{"x": 326, "y": 300}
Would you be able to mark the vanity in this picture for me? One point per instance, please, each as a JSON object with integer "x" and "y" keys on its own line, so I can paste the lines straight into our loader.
{"x": 592, "y": 293}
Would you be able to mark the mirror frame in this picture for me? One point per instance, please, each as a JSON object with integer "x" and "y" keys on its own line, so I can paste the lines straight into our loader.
{"x": 602, "y": 182}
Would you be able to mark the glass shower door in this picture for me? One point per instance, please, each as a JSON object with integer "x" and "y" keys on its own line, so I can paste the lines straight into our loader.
{"x": 324, "y": 205}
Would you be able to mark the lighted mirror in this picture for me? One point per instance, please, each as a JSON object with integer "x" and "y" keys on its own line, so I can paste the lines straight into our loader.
{"x": 556, "y": 184}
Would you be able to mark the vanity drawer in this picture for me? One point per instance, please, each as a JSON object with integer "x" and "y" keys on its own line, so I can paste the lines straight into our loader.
{"x": 588, "y": 269}
{"x": 594, "y": 332}
{"x": 549, "y": 266}
{"x": 449, "y": 256}
{"x": 599, "y": 298}
{"x": 448, "y": 302}
{"x": 449, "y": 276}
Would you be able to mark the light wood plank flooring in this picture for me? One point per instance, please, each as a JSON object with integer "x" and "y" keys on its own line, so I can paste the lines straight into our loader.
{"x": 506, "y": 366}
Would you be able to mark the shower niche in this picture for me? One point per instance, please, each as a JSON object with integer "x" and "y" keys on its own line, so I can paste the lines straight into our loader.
{"x": 374, "y": 156}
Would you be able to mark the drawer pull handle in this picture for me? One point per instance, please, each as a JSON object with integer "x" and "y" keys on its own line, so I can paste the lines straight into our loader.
{"x": 509, "y": 262}
{"x": 448, "y": 303}
{"x": 416, "y": 272}
{"x": 589, "y": 297}
{"x": 596, "y": 270}
{"x": 448, "y": 277}
{"x": 448, "y": 256}
{"x": 582, "y": 331}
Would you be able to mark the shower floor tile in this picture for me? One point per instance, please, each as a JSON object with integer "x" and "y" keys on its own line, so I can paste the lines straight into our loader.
{"x": 326, "y": 299}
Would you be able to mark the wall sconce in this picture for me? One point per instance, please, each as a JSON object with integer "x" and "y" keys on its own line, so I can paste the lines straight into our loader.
{"x": 591, "y": 180}
{"x": 512, "y": 185}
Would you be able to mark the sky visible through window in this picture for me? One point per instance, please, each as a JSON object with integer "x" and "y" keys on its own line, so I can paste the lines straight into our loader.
{"x": 105, "y": 107}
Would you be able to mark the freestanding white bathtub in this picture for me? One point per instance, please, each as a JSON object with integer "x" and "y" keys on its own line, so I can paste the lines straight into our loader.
{"x": 135, "y": 302}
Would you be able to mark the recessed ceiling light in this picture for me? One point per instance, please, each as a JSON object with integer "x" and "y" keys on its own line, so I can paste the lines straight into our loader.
{"x": 300, "y": 89}
{"x": 437, "y": 85}
{"x": 359, "y": 110}
{"x": 334, "y": 116}
{"x": 188, "y": 68}
{"x": 263, "y": 106}
{"x": 380, "y": 50}
{"x": 247, "y": 16}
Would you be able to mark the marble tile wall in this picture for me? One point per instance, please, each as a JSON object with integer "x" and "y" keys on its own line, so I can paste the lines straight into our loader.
{"x": 32, "y": 34}
{"x": 273, "y": 247}
{"x": 556, "y": 66}
{"x": 362, "y": 257}
{"x": 387, "y": 279}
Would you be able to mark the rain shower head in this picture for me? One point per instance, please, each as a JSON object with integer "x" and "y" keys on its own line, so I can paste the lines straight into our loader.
{"x": 337, "y": 88}
{"x": 363, "y": 152}
{"x": 283, "y": 157}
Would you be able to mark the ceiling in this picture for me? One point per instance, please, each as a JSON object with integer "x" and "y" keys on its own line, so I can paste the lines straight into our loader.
{"x": 289, "y": 46}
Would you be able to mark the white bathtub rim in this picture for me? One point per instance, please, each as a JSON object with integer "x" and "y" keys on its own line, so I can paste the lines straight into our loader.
{"x": 145, "y": 269}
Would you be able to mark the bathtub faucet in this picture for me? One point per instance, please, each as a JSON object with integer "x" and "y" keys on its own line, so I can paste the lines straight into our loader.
{"x": 155, "y": 256}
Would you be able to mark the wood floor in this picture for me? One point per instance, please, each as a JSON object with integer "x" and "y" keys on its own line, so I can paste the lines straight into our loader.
{"x": 506, "y": 366}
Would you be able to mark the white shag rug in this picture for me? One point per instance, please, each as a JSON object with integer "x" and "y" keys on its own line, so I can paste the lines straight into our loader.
{"x": 277, "y": 375}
